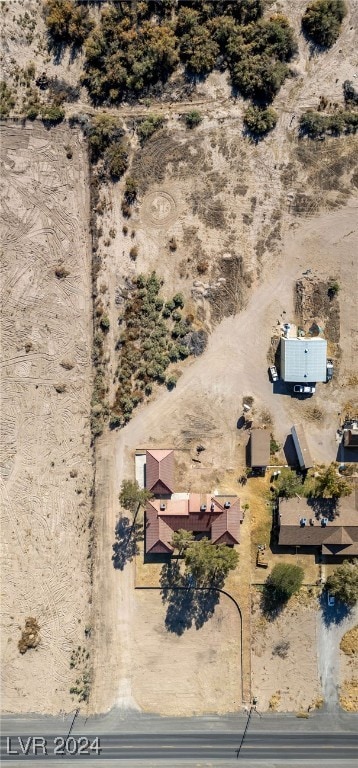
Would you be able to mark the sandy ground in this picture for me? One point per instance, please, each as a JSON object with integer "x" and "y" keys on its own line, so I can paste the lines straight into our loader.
{"x": 291, "y": 683}
{"x": 196, "y": 673}
{"x": 46, "y": 459}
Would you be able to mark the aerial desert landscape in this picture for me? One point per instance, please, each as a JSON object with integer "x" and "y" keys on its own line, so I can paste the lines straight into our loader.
{"x": 150, "y": 263}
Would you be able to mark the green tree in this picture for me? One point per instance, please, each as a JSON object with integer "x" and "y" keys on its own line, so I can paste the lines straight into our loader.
{"x": 182, "y": 539}
{"x": 132, "y": 496}
{"x": 284, "y": 581}
{"x": 343, "y": 582}
{"x": 288, "y": 484}
{"x": 329, "y": 484}
{"x": 259, "y": 121}
{"x": 322, "y": 21}
{"x": 210, "y": 563}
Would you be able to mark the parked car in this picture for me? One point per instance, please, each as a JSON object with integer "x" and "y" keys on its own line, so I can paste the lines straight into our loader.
{"x": 329, "y": 370}
{"x": 330, "y": 600}
{"x": 273, "y": 373}
{"x": 304, "y": 389}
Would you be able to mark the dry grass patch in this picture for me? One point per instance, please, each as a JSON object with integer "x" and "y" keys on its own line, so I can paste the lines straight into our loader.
{"x": 348, "y": 698}
{"x": 349, "y": 642}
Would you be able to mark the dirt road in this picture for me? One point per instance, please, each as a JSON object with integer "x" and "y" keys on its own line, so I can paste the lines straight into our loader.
{"x": 330, "y": 630}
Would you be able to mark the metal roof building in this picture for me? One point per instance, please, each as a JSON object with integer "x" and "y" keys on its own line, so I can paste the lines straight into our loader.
{"x": 259, "y": 448}
{"x": 303, "y": 360}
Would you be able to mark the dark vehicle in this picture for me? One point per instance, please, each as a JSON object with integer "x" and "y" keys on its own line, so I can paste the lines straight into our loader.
{"x": 329, "y": 370}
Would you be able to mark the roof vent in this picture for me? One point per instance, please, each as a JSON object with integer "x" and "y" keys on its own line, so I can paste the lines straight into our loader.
{"x": 227, "y": 505}
{"x": 162, "y": 506}
{"x": 312, "y": 521}
{"x": 324, "y": 522}
{"x": 212, "y": 507}
{"x": 203, "y": 508}
{"x": 303, "y": 522}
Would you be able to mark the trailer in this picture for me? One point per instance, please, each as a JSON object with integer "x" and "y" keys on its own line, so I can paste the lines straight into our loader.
{"x": 303, "y": 454}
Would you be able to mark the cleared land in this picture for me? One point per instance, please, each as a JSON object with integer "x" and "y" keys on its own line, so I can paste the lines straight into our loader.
{"x": 284, "y": 663}
{"x": 186, "y": 672}
{"x": 46, "y": 455}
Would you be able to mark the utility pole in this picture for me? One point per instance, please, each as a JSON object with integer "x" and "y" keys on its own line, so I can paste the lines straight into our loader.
{"x": 253, "y": 706}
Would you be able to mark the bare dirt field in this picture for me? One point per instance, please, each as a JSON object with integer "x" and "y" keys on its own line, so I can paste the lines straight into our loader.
{"x": 284, "y": 663}
{"x": 349, "y": 670}
{"x": 46, "y": 455}
{"x": 191, "y": 668}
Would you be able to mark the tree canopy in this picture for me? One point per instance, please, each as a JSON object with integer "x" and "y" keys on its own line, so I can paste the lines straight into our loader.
{"x": 132, "y": 48}
{"x": 343, "y": 582}
{"x": 285, "y": 580}
{"x": 131, "y": 495}
{"x": 182, "y": 539}
{"x": 322, "y": 21}
{"x": 209, "y": 563}
{"x": 329, "y": 484}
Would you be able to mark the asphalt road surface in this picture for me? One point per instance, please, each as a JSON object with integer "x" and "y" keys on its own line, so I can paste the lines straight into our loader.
{"x": 135, "y": 740}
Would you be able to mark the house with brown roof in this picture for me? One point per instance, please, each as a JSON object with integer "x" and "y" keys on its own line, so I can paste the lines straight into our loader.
{"x": 259, "y": 448}
{"x": 159, "y": 471}
{"x": 217, "y": 517}
{"x": 324, "y": 525}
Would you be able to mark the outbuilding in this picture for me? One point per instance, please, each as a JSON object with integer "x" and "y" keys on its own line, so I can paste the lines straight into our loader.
{"x": 300, "y": 442}
{"x": 259, "y": 448}
{"x": 303, "y": 360}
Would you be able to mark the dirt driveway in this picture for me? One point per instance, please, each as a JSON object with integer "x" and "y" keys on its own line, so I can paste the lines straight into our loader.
{"x": 332, "y": 624}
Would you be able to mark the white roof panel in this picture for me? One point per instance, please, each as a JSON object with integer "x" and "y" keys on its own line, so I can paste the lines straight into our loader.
{"x": 303, "y": 361}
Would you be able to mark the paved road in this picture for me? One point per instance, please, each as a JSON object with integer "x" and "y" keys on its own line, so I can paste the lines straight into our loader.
{"x": 148, "y": 741}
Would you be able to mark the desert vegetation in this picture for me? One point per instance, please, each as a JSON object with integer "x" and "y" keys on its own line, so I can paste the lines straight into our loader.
{"x": 132, "y": 49}
{"x": 154, "y": 333}
{"x": 322, "y": 21}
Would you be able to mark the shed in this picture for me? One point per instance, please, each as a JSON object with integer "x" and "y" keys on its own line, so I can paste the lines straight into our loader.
{"x": 299, "y": 438}
{"x": 259, "y": 448}
{"x": 303, "y": 360}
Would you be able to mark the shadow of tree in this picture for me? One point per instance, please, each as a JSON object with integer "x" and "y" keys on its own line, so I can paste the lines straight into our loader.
{"x": 333, "y": 614}
{"x": 187, "y": 605}
{"x": 125, "y": 547}
{"x": 272, "y": 602}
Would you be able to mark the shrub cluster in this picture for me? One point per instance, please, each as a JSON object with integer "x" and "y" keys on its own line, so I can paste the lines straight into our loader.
{"x": 107, "y": 145}
{"x": 316, "y": 124}
{"x": 259, "y": 121}
{"x": 148, "y": 126}
{"x": 7, "y": 99}
{"x": 322, "y": 21}
{"x": 134, "y": 47}
{"x": 154, "y": 335}
{"x": 67, "y": 23}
